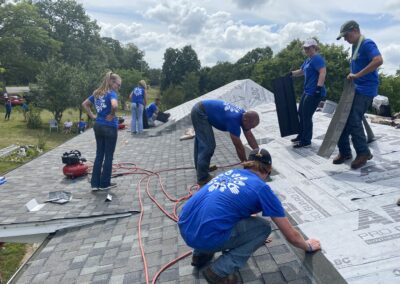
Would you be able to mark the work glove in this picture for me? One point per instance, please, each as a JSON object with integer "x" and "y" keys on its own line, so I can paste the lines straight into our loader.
{"x": 318, "y": 91}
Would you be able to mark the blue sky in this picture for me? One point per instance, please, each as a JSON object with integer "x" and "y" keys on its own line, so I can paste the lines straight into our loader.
{"x": 225, "y": 30}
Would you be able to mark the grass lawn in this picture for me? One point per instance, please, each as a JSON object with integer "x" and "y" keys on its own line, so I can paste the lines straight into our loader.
{"x": 15, "y": 131}
{"x": 11, "y": 256}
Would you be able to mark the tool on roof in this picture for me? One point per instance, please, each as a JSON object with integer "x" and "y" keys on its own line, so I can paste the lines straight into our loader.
{"x": 75, "y": 166}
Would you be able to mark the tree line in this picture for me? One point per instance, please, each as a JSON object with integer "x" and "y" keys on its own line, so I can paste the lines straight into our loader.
{"x": 56, "y": 48}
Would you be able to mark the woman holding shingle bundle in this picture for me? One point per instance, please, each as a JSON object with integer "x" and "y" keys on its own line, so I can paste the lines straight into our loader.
{"x": 314, "y": 71}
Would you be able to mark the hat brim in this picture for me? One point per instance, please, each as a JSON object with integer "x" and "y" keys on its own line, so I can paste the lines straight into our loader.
{"x": 341, "y": 35}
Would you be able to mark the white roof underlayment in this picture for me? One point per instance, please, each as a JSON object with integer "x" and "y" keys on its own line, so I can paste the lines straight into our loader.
{"x": 352, "y": 212}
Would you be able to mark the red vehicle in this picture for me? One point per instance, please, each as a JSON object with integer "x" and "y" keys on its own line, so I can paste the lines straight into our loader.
{"x": 16, "y": 100}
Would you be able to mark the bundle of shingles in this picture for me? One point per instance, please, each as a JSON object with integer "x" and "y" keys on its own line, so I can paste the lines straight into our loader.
{"x": 391, "y": 121}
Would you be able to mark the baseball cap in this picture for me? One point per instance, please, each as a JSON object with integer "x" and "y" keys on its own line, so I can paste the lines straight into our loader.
{"x": 260, "y": 155}
{"x": 346, "y": 27}
{"x": 310, "y": 42}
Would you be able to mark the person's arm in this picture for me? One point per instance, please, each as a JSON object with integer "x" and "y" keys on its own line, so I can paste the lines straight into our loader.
{"x": 86, "y": 106}
{"x": 251, "y": 139}
{"x": 321, "y": 77}
{"x": 372, "y": 66}
{"x": 294, "y": 236}
{"x": 239, "y": 148}
{"x": 297, "y": 73}
{"x": 114, "y": 108}
{"x": 130, "y": 95}
{"x": 145, "y": 98}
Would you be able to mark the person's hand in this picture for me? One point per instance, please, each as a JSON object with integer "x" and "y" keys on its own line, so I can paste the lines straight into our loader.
{"x": 290, "y": 74}
{"x": 313, "y": 245}
{"x": 352, "y": 76}
{"x": 318, "y": 91}
{"x": 110, "y": 117}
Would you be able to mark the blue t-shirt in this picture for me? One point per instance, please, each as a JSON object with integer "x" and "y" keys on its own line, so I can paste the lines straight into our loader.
{"x": 151, "y": 109}
{"x": 138, "y": 95}
{"x": 224, "y": 116}
{"x": 103, "y": 108}
{"x": 207, "y": 218}
{"x": 368, "y": 84}
{"x": 81, "y": 124}
{"x": 311, "y": 67}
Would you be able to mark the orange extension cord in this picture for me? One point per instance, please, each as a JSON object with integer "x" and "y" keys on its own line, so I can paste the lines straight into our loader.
{"x": 123, "y": 169}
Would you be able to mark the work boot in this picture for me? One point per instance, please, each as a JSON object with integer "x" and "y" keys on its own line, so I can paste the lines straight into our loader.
{"x": 201, "y": 259}
{"x": 360, "y": 161}
{"x": 204, "y": 181}
{"x": 295, "y": 140}
{"x": 340, "y": 159}
{"x": 213, "y": 278}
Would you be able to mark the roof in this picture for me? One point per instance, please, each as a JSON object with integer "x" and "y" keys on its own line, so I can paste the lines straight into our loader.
{"x": 97, "y": 241}
{"x": 17, "y": 90}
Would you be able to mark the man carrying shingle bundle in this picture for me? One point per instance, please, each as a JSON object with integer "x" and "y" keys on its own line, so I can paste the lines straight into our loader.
{"x": 365, "y": 60}
{"x": 225, "y": 117}
{"x": 220, "y": 218}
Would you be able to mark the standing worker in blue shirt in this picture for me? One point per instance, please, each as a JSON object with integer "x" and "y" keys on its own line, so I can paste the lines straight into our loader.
{"x": 139, "y": 100}
{"x": 105, "y": 100}
{"x": 8, "y": 106}
{"x": 219, "y": 218}
{"x": 225, "y": 117}
{"x": 365, "y": 60}
{"x": 314, "y": 71}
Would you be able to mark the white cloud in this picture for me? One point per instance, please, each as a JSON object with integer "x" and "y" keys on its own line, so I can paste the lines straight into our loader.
{"x": 391, "y": 58}
{"x": 249, "y": 4}
{"x": 226, "y": 30}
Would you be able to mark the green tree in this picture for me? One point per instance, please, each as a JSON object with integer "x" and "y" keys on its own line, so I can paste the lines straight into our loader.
{"x": 24, "y": 42}
{"x": 130, "y": 79}
{"x": 390, "y": 87}
{"x": 173, "y": 96}
{"x": 133, "y": 58}
{"x": 58, "y": 84}
{"x": 154, "y": 76}
{"x": 190, "y": 86}
{"x": 177, "y": 63}
{"x": 69, "y": 24}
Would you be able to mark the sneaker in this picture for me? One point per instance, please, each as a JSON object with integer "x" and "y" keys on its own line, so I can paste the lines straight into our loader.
{"x": 360, "y": 161}
{"x": 340, "y": 159}
{"x": 203, "y": 182}
{"x": 112, "y": 185}
{"x": 295, "y": 140}
{"x": 201, "y": 259}
{"x": 95, "y": 189}
{"x": 213, "y": 278}
{"x": 302, "y": 145}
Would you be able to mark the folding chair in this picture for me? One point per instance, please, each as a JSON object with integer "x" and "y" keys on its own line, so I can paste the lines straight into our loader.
{"x": 53, "y": 124}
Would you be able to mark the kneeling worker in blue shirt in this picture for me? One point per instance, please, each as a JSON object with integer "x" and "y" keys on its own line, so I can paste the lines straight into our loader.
{"x": 219, "y": 218}
{"x": 225, "y": 117}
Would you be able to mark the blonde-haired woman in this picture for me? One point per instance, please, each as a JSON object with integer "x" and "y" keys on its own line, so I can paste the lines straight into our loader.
{"x": 138, "y": 97}
{"x": 105, "y": 100}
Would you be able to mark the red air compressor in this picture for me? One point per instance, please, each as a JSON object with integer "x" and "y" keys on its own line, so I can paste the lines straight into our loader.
{"x": 121, "y": 124}
{"x": 75, "y": 166}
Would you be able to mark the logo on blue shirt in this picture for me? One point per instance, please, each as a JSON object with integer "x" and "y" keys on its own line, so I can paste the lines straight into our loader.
{"x": 100, "y": 104}
{"x": 227, "y": 180}
{"x": 232, "y": 108}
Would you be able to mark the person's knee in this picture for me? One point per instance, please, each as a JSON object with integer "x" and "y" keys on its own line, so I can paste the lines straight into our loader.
{"x": 263, "y": 226}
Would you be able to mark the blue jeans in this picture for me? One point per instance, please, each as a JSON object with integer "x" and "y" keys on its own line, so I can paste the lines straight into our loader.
{"x": 354, "y": 127}
{"x": 246, "y": 237}
{"x": 307, "y": 106}
{"x": 137, "y": 118}
{"x": 106, "y": 139}
{"x": 204, "y": 141}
